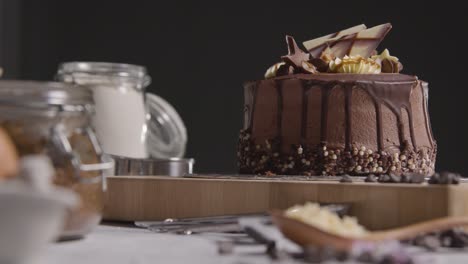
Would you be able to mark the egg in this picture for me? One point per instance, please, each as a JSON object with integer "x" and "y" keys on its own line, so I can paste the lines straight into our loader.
{"x": 8, "y": 156}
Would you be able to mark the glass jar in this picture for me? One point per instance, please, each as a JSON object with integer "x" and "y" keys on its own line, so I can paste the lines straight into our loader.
{"x": 54, "y": 119}
{"x": 128, "y": 122}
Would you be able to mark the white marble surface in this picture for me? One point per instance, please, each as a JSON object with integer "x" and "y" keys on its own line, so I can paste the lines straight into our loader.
{"x": 119, "y": 245}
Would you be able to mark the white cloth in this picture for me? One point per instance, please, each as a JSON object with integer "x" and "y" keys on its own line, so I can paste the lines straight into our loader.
{"x": 118, "y": 245}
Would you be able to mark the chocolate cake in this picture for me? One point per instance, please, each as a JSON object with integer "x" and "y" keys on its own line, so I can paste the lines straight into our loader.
{"x": 332, "y": 115}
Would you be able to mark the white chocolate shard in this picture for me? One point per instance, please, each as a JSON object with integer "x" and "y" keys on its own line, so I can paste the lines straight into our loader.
{"x": 361, "y": 44}
{"x": 316, "y": 46}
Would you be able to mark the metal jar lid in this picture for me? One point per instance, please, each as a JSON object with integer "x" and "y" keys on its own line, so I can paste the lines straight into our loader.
{"x": 86, "y": 72}
{"x": 44, "y": 95}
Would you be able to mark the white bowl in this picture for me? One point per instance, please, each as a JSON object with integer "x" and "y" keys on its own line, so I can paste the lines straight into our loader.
{"x": 29, "y": 220}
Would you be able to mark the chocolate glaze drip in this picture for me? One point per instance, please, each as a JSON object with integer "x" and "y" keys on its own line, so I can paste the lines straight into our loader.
{"x": 305, "y": 103}
{"x": 348, "y": 125}
{"x": 279, "y": 90}
{"x": 426, "y": 118}
{"x": 252, "y": 110}
{"x": 410, "y": 120}
{"x": 395, "y": 98}
{"x": 324, "y": 112}
{"x": 378, "y": 116}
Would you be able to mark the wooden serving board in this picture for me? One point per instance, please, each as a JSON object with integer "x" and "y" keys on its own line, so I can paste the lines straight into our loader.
{"x": 377, "y": 205}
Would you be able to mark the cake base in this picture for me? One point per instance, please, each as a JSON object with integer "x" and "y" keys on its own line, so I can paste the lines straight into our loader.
{"x": 376, "y": 205}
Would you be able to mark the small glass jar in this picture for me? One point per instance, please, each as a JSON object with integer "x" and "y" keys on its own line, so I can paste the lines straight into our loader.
{"x": 128, "y": 122}
{"x": 54, "y": 119}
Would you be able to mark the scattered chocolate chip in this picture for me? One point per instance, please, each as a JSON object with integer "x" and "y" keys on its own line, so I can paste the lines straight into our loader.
{"x": 318, "y": 255}
{"x": 445, "y": 178}
{"x": 455, "y": 238}
{"x": 346, "y": 179}
{"x": 371, "y": 178}
{"x": 415, "y": 177}
{"x": 384, "y": 178}
{"x": 434, "y": 179}
{"x": 405, "y": 178}
{"x": 430, "y": 242}
{"x": 395, "y": 259}
{"x": 394, "y": 178}
{"x": 366, "y": 257}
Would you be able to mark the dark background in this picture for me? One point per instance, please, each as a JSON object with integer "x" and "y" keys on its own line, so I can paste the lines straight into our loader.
{"x": 199, "y": 54}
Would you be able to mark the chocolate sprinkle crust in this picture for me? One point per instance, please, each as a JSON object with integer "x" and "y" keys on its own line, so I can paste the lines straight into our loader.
{"x": 320, "y": 160}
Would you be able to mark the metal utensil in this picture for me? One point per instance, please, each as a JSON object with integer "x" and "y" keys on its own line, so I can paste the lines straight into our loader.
{"x": 188, "y": 226}
{"x": 217, "y": 224}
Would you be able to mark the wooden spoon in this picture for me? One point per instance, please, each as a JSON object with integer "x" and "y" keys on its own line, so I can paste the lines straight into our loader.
{"x": 305, "y": 235}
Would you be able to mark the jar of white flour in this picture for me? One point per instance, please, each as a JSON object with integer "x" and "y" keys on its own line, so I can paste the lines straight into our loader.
{"x": 128, "y": 122}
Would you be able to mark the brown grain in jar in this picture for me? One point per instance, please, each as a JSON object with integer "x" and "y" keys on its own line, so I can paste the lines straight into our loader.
{"x": 54, "y": 119}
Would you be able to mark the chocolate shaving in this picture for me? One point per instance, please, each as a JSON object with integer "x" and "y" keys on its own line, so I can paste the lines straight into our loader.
{"x": 308, "y": 67}
{"x": 320, "y": 64}
{"x": 391, "y": 66}
{"x": 393, "y": 178}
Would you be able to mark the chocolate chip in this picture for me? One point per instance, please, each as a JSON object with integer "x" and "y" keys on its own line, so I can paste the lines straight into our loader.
{"x": 346, "y": 179}
{"x": 384, "y": 178}
{"x": 416, "y": 178}
{"x": 318, "y": 255}
{"x": 394, "y": 178}
{"x": 430, "y": 242}
{"x": 455, "y": 238}
{"x": 371, "y": 178}
{"x": 434, "y": 179}
{"x": 395, "y": 259}
{"x": 366, "y": 257}
{"x": 445, "y": 178}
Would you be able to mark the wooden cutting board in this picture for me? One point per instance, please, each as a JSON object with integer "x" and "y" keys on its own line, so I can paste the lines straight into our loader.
{"x": 377, "y": 205}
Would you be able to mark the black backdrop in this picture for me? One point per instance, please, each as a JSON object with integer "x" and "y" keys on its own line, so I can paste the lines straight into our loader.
{"x": 199, "y": 54}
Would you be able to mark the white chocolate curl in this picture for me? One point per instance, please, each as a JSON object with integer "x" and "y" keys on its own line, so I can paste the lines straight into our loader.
{"x": 321, "y": 218}
{"x": 271, "y": 72}
{"x": 355, "y": 64}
